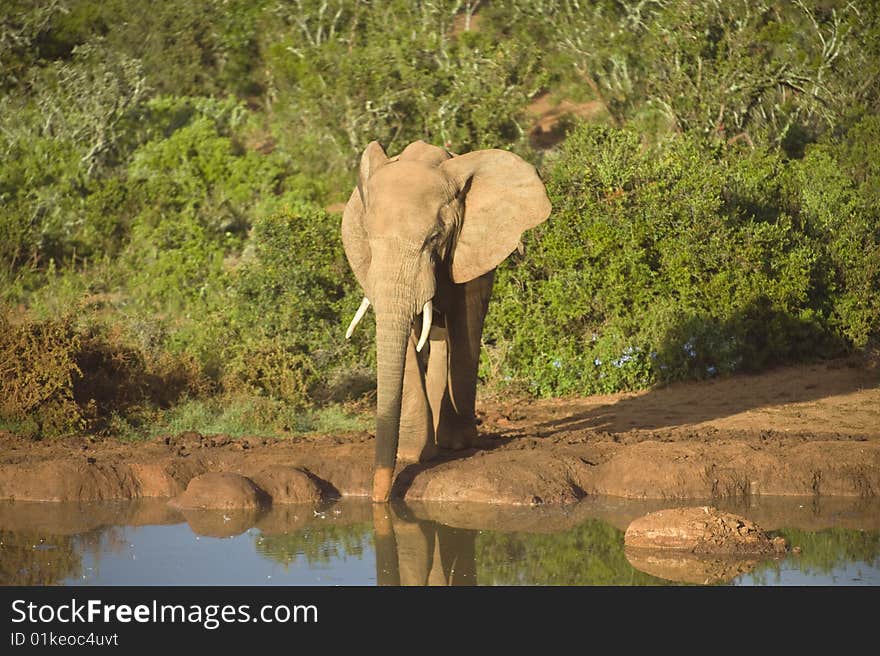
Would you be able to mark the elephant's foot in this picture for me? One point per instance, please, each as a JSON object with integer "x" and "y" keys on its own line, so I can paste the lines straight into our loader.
{"x": 426, "y": 452}
{"x": 382, "y": 479}
{"x": 458, "y": 436}
{"x": 416, "y": 445}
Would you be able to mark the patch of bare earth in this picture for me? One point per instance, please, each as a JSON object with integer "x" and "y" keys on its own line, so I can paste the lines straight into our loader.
{"x": 806, "y": 430}
{"x": 550, "y": 119}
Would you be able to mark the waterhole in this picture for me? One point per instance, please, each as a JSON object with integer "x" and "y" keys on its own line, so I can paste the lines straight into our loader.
{"x": 832, "y": 543}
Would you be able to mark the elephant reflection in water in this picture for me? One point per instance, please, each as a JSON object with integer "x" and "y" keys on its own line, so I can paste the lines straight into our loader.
{"x": 416, "y": 552}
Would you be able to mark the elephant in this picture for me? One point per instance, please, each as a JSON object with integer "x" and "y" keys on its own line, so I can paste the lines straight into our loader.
{"x": 414, "y": 552}
{"x": 423, "y": 233}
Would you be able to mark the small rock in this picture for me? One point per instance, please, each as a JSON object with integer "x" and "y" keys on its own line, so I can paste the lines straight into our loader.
{"x": 190, "y": 436}
{"x": 779, "y": 545}
{"x": 700, "y": 530}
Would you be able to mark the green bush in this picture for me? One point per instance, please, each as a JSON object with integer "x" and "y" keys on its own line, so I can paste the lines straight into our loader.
{"x": 680, "y": 261}
{"x": 774, "y": 73}
{"x": 194, "y": 192}
{"x": 57, "y": 377}
{"x": 193, "y": 165}
{"x": 344, "y": 74}
{"x": 38, "y": 370}
{"x": 186, "y": 48}
{"x": 163, "y": 167}
{"x": 289, "y": 299}
{"x": 839, "y": 185}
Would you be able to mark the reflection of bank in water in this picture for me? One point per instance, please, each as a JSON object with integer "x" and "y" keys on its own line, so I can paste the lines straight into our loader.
{"x": 44, "y": 543}
{"x": 349, "y": 543}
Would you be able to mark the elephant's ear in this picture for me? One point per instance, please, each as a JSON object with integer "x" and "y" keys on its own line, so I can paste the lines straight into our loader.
{"x": 503, "y": 197}
{"x": 354, "y": 236}
{"x": 372, "y": 160}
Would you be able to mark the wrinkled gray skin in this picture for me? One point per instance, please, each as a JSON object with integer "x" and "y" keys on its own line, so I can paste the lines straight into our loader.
{"x": 429, "y": 226}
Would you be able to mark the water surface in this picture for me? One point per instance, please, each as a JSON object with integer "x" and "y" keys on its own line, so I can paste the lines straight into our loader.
{"x": 353, "y": 543}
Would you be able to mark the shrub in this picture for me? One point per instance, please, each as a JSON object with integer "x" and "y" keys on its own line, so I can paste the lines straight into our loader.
{"x": 272, "y": 367}
{"x": 288, "y": 300}
{"x": 123, "y": 382}
{"x": 772, "y": 72}
{"x": 684, "y": 260}
{"x": 839, "y": 189}
{"x": 192, "y": 165}
{"x": 57, "y": 378}
{"x": 38, "y": 370}
{"x": 344, "y": 75}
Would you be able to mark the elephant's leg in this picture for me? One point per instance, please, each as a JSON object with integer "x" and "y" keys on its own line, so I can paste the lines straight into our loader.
{"x": 469, "y": 302}
{"x": 415, "y": 551}
{"x": 416, "y": 443}
{"x": 437, "y": 576}
{"x": 458, "y": 548}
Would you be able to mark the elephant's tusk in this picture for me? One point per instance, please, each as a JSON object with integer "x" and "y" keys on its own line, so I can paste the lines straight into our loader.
{"x": 427, "y": 315}
{"x": 361, "y": 311}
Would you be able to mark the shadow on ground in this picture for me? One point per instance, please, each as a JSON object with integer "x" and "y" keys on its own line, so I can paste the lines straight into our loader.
{"x": 827, "y": 397}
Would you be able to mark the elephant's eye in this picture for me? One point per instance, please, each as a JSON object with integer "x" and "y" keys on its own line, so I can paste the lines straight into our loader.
{"x": 433, "y": 238}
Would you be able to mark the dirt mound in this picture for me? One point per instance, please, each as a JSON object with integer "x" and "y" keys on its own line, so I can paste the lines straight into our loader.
{"x": 77, "y": 479}
{"x": 515, "y": 476}
{"x": 221, "y": 490}
{"x": 737, "y": 468}
{"x": 166, "y": 477}
{"x": 700, "y": 530}
{"x": 286, "y": 484}
{"x": 698, "y": 545}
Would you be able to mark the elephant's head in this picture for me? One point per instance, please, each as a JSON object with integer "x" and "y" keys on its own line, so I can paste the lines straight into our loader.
{"x": 411, "y": 218}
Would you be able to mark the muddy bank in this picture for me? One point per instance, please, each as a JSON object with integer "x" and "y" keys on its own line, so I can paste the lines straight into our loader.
{"x": 811, "y": 431}
{"x": 522, "y": 471}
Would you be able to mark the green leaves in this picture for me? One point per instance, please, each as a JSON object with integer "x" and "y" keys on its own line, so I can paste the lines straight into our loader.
{"x": 172, "y": 161}
{"x": 682, "y": 260}
{"x": 395, "y": 72}
{"x": 287, "y": 301}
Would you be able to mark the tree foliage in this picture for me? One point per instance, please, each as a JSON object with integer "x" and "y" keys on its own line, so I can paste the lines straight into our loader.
{"x": 686, "y": 260}
{"x": 164, "y": 169}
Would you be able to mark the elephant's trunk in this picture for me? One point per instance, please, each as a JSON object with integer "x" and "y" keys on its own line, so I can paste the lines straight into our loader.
{"x": 401, "y": 282}
{"x": 392, "y": 336}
